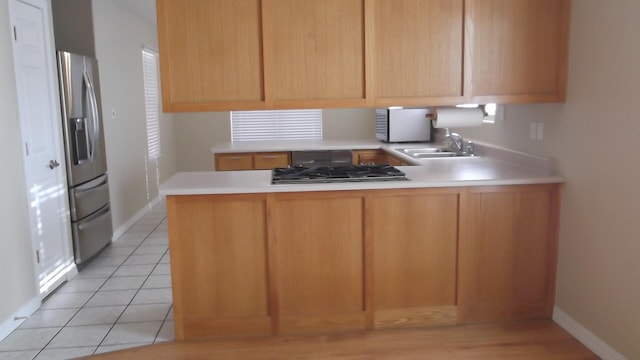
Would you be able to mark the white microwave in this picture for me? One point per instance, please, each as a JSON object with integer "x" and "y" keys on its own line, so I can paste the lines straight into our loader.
{"x": 403, "y": 125}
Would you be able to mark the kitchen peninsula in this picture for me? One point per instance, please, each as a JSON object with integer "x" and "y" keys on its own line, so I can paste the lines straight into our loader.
{"x": 466, "y": 240}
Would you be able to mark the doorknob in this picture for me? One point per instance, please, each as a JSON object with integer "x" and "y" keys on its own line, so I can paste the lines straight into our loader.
{"x": 53, "y": 164}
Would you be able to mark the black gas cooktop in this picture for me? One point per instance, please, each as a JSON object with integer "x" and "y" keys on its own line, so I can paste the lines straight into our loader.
{"x": 328, "y": 174}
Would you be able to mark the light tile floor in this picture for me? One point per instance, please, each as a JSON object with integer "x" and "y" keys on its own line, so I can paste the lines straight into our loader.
{"x": 121, "y": 299}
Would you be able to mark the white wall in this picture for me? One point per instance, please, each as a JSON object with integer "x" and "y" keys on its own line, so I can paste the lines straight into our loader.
{"x": 17, "y": 276}
{"x": 340, "y": 124}
{"x": 119, "y": 37}
{"x": 595, "y": 138}
{"x": 196, "y": 133}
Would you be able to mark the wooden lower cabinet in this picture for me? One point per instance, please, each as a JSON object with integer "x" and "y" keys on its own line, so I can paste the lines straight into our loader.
{"x": 369, "y": 157}
{"x": 233, "y": 162}
{"x": 375, "y": 157}
{"x": 414, "y": 243}
{"x": 331, "y": 261}
{"x": 267, "y": 161}
{"x": 317, "y": 258}
{"x": 507, "y": 253}
{"x": 252, "y": 161}
{"x": 394, "y": 161}
{"x": 218, "y": 265}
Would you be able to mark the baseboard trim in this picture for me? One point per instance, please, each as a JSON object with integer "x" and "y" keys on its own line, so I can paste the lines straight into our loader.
{"x": 12, "y": 323}
{"x": 583, "y": 335}
{"x": 132, "y": 220}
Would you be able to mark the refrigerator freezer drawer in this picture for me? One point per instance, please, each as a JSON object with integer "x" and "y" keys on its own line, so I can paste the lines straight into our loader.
{"x": 87, "y": 198}
{"x": 92, "y": 234}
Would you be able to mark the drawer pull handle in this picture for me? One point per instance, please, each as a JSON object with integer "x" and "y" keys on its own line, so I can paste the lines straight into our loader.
{"x": 235, "y": 158}
{"x": 270, "y": 157}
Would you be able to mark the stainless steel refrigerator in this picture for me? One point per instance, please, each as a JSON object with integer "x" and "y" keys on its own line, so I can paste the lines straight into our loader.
{"x": 85, "y": 155}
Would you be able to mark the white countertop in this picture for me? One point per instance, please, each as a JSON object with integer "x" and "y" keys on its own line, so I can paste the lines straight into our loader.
{"x": 477, "y": 171}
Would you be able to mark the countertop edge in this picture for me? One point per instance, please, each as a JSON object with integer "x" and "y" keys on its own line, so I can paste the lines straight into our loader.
{"x": 259, "y": 181}
{"x": 458, "y": 184}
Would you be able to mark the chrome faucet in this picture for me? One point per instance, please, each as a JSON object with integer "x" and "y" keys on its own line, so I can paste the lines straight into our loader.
{"x": 456, "y": 142}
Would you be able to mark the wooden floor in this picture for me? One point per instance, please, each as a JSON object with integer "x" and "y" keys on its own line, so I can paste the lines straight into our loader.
{"x": 528, "y": 340}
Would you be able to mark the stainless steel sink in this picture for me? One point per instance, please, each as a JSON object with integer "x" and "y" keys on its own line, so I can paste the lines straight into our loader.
{"x": 431, "y": 152}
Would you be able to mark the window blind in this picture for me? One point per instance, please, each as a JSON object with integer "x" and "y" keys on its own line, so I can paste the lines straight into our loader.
{"x": 151, "y": 101}
{"x": 276, "y": 125}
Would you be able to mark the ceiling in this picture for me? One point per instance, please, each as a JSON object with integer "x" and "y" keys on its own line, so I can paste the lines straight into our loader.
{"x": 143, "y": 8}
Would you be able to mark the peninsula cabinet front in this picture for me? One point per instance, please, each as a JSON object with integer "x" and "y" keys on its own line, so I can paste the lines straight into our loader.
{"x": 507, "y": 253}
{"x": 413, "y": 238}
{"x": 218, "y": 265}
{"x": 335, "y": 261}
{"x": 317, "y": 259}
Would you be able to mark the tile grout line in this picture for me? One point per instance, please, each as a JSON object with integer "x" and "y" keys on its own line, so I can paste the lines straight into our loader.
{"x": 162, "y": 325}
{"x": 83, "y": 306}
{"x": 138, "y": 290}
{"x": 100, "y": 287}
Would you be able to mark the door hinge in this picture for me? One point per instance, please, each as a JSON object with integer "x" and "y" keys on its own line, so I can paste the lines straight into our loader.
{"x": 15, "y": 33}
{"x": 26, "y": 148}
{"x": 38, "y": 256}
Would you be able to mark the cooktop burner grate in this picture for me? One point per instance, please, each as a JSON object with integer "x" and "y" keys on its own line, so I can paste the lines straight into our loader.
{"x": 327, "y": 174}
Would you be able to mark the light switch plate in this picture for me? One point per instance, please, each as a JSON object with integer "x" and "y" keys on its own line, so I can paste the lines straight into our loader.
{"x": 540, "y": 132}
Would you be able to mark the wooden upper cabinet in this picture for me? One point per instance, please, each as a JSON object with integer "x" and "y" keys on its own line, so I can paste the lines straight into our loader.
{"x": 416, "y": 49}
{"x": 210, "y": 54}
{"x": 516, "y": 50}
{"x": 282, "y": 54}
{"x": 314, "y": 53}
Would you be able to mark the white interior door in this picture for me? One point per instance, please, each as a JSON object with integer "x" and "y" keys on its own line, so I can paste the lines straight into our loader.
{"x": 34, "y": 62}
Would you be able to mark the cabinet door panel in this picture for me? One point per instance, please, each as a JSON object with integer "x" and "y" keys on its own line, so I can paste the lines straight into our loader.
{"x": 218, "y": 265}
{"x": 314, "y": 50}
{"x": 414, "y": 241}
{"x": 507, "y": 254}
{"x": 417, "y": 50}
{"x": 517, "y": 48}
{"x": 210, "y": 53}
{"x": 319, "y": 266}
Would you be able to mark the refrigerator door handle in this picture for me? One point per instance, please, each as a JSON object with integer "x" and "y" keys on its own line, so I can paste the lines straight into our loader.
{"x": 81, "y": 190}
{"x": 93, "y": 104}
{"x": 88, "y": 222}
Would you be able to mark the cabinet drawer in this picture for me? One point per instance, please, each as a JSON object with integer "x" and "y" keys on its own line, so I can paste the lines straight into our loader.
{"x": 266, "y": 161}
{"x": 228, "y": 162}
{"x": 394, "y": 161}
{"x": 369, "y": 157}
